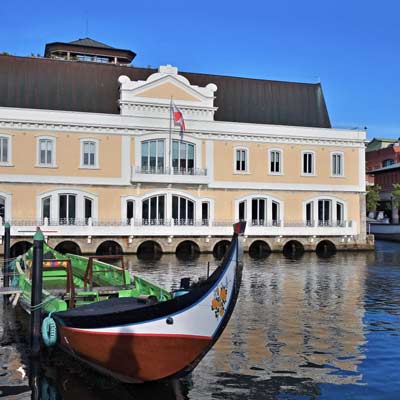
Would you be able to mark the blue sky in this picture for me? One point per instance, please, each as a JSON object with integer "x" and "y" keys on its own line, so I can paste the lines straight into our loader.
{"x": 353, "y": 47}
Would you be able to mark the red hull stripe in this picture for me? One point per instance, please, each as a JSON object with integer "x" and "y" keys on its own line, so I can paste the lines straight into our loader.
{"x": 138, "y": 334}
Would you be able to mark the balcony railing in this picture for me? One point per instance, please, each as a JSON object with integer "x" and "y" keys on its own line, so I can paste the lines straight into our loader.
{"x": 171, "y": 171}
{"x": 167, "y": 227}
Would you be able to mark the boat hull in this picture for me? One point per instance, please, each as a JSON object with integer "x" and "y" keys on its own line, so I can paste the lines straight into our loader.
{"x": 134, "y": 358}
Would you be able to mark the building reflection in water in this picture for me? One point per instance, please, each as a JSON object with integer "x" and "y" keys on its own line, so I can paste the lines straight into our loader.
{"x": 297, "y": 318}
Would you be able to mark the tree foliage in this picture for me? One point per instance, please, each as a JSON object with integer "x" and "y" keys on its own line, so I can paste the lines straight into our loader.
{"x": 373, "y": 197}
{"x": 396, "y": 193}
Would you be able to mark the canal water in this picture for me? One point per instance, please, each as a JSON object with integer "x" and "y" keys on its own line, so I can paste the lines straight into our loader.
{"x": 308, "y": 328}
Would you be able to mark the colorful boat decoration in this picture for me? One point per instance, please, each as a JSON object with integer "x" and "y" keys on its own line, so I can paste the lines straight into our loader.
{"x": 130, "y": 328}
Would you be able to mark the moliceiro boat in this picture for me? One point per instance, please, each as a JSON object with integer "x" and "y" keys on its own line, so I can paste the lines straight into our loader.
{"x": 127, "y": 327}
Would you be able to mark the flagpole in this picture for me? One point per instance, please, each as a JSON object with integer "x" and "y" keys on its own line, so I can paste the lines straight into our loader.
{"x": 170, "y": 137}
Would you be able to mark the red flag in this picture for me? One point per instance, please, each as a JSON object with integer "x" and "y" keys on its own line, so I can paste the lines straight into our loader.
{"x": 178, "y": 117}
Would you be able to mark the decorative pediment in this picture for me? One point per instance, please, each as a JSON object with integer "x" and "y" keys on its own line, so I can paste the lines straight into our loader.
{"x": 152, "y": 97}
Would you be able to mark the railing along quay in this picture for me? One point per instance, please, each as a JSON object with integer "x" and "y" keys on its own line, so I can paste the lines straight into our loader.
{"x": 176, "y": 227}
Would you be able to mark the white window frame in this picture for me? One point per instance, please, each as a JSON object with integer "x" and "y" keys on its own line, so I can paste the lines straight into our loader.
{"x": 9, "y": 150}
{"x": 314, "y": 209}
{"x": 54, "y": 204}
{"x": 248, "y": 207}
{"x": 313, "y": 172}
{"x": 96, "y": 154}
{"x": 341, "y": 154}
{"x": 53, "y": 163}
{"x": 280, "y": 151}
{"x": 246, "y": 162}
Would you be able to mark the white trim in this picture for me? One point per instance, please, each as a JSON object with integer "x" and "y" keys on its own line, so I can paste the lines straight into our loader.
{"x": 7, "y": 163}
{"x": 53, "y": 140}
{"x": 246, "y": 163}
{"x": 7, "y": 205}
{"x": 341, "y": 154}
{"x": 281, "y": 169}
{"x": 285, "y": 186}
{"x": 313, "y": 164}
{"x": 362, "y": 181}
{"x": 268, "y": 197}
{"x": 96, "y": 154}
{"x": 54, "y": 203}
{"x": 78, "y": 122}
{"x": 315, "y": 200}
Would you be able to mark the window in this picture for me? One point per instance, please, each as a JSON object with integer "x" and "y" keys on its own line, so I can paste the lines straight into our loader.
{"x": 324, "y": 212}
{"x": 242, "y": 211}
{"x": 182, "y": 210}
{"x": 88, "y": 209}
{"x": 241, "y": 160}
{"x": 275, "y": 161}
{"x": 46, "y": 209}
{"x": 340, "y": 214}
{"x": 2, "y": 209}
{"x": 259, "y": 211}
{"x": 153, "y": 210}
{"x": 4, "y": 150}
{"x": 387, "y": 162}
{"x": 183, "y": 157}
{"x": 46, "y": 152}
{"x": 337, "y": 164}
{"x": 205, "y": 213}
{"x": 308, "y": 163}
{"x": 67, "y": 209}
{"x": 275, "y": 214}
{"x": 310, "y": 214}
{"x": 153, "y": 156}
{"x": 129, "y": 210}
{"x": 89, "y": 154}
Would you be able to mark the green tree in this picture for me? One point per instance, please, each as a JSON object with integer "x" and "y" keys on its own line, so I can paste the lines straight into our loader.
{"x": 373, "y": 197}
{"x": 396, "y": 194}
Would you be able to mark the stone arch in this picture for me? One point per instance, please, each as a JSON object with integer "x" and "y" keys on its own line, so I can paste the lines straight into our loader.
{"x": 188, "y": 249}
{"x": 220, "y": 248}
{"x": 149, "y": 250}
{"x": 259, "y": 249}
{"x": 109, "y": 247}
{"x": 325, "y": 248}
{"x": 19, "y": 248}
{"x": 68, "y": 246}
{"x": 293, "y": 249}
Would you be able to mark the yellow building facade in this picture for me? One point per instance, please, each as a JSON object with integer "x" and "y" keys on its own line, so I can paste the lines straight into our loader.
{"x": 132, "y": 177}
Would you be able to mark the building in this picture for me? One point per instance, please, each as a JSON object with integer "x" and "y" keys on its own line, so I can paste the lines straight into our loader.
{"x": 381, "y": 153}
{"x": 86, "y": 153}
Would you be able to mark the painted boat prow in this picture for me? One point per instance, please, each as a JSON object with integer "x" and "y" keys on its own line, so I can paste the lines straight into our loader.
{"x": 137, "y": 343}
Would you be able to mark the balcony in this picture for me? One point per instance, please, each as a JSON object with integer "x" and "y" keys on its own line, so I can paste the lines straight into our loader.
{"x": 169, "y": 175}
{"x": 166, "y": 228}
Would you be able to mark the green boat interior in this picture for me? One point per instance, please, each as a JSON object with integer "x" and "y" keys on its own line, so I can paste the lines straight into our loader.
{"x": 70, "y": 280}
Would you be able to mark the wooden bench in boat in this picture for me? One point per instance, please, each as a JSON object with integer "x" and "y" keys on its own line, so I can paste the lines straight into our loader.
{"x": 101, "y": 290}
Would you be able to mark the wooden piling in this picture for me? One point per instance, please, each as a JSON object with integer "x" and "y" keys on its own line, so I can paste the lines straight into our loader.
{"x": 36, "y": 292}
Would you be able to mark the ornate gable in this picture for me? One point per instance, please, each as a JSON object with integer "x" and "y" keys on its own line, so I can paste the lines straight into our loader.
{"x": 152, "y": 97}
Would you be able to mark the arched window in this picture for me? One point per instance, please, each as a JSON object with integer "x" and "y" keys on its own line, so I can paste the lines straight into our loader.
{"x": 259, "y": 211}
{"x": 387, "y": 162}
{"x": 153, "y": 210}
{"x": 182, "y": 210}
{"x": 183, "y": 157}
{"x": 265, "y": 211}
{"x": 153, "y": 157}
{"x": 67, "y": 207}
{"x": 324, "y": 211}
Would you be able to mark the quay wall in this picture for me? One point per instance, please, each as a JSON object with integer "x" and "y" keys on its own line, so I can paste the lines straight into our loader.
{"x": 205, "y": 244}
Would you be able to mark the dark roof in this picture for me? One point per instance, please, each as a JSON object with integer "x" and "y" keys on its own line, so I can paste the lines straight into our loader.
{"x": 384, "y": 169}
{"x": 88, "y": 42}
{"x": 93, "y": 87}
